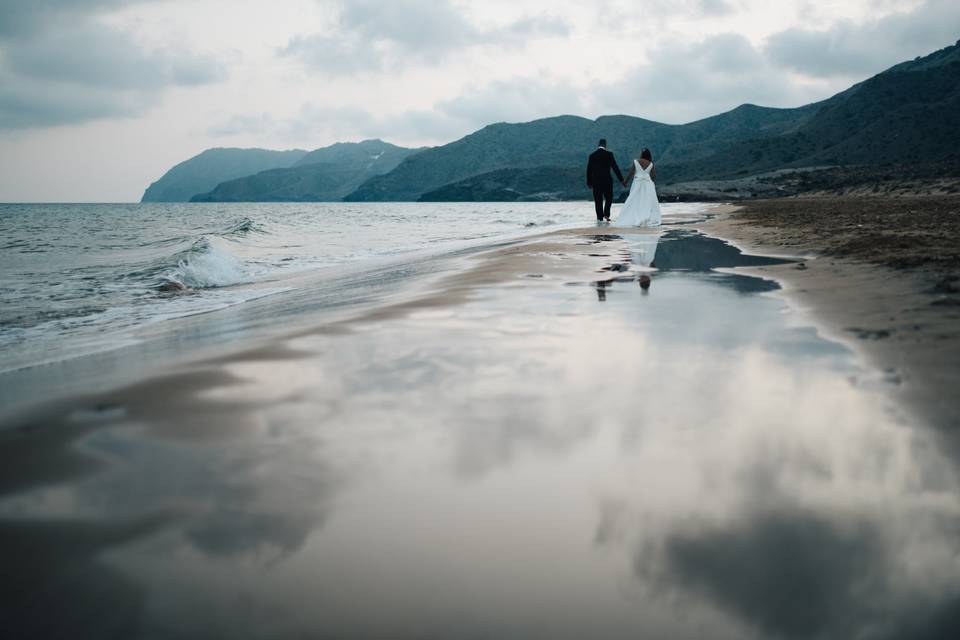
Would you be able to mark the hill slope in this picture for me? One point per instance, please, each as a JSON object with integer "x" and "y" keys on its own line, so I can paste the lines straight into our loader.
{"x": 323, "y": 175}
{"x": 909, "y": 114}
{"x": 206, "y": 170}
{"x": 535, "y": 184}
{"x": 564, "y": 141}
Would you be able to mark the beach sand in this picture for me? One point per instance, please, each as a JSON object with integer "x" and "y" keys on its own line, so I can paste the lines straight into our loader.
{"x": 880, "y": 274}
{"x": 529, "y": 444}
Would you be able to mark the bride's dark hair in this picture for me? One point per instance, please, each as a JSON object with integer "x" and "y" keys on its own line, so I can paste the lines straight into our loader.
{"x": 646, "y": 155}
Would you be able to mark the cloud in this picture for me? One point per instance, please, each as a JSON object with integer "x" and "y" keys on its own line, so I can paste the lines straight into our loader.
{"x": 681, "y": 84}
{"x": 686, "y": 81}
{"x": 415, "y": 24}
{"x": 849, "y": 49}
{"x": 25, "y": 103}
{"x": 614, "y": 15}
{"x": 96, "y": 55}
{"x": 241, "y": 124}
{"x": 316, "y": 125}
{"x": 54, "y": 71}
{"x": 514, "y": 100}
{"x": 21, "y": 18}
{"x": 713, "y": 7}
{"x": 517, "y": 100}
{"x": 373, "y": 36}
{"x": 528, "y": 28}
{"x": 677, "y": 81}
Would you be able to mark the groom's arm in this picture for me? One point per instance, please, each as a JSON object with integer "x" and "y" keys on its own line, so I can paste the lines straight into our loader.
{"x": 589, "y": 172}
{"x": 616, "y": 169}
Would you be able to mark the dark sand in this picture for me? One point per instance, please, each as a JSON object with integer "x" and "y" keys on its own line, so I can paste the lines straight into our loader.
{"x": 902, "y": 233}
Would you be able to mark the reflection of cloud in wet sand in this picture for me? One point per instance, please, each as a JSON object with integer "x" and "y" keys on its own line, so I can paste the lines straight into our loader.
{"x": 55, "y": 586}
{"x": 256, "y": 503}
{"x": 791, "y": 574}
{"x": 258, "y": 485}
{"x": 814, "y": 540}
{"x": 242, "y": 487}
{"x": 797, "y": 574}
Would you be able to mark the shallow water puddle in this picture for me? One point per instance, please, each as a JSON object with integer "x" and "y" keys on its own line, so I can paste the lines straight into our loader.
{"x": 561, "y": 459}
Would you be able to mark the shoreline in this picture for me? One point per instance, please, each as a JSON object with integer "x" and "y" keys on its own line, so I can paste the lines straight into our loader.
{"x": 884, "y": 314}
{"x": 849, "y": 302}
{"x": 902, "y": 320}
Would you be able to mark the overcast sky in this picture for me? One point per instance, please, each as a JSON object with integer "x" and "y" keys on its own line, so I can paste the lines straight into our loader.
{"x": 100, "y": 97}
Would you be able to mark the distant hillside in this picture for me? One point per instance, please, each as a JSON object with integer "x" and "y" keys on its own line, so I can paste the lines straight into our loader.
{"x": 564, "y": 141}
{"x": 538, "y": 184}
{"x": 909, "y": 113}
{"x": 357, "y": 152}
{"x": 323, "y": 175}
{"x": 205, "y": 171}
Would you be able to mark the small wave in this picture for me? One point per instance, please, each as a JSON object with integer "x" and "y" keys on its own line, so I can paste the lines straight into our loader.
{"x": 165, "y": 242}
{"x": 244, "y": 226}
{"x": 545, "y": 223}
{"x": 208, "y": 265}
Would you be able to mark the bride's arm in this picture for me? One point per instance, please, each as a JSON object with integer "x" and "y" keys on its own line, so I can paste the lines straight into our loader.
{"x": 630, "y": 174}
{"x": 653, "y": 173}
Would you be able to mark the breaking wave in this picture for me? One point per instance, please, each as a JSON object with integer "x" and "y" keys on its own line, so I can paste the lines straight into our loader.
{"x": 208, "y": 264}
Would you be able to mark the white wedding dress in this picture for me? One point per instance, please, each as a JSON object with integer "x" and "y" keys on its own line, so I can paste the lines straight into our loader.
{"x": 642, "y": 209}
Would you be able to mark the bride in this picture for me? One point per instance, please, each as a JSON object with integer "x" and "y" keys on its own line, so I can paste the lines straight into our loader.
{"x": 642, "y": 209}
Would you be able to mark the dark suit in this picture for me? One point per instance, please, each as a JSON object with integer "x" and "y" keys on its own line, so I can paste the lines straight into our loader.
{"x": 598, "y": 179}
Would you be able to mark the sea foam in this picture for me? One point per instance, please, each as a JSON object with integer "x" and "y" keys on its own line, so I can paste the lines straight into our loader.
{"x": 209, "y": 265}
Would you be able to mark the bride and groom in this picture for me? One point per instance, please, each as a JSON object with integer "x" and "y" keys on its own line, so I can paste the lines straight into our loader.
{"x": 642, "y": 209}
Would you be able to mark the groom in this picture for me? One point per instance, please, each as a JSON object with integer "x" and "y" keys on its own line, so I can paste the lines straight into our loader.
{"x": 598, "y": 179}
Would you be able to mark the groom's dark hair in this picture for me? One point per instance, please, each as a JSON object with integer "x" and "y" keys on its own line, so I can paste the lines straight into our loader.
{"x": 602, "y": 143}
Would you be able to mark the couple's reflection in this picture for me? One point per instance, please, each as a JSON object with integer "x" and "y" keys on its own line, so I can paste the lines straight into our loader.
{"x": 643, "y": 248}
{"x": 641, "y": 253}
{"x": 601, "y": 287}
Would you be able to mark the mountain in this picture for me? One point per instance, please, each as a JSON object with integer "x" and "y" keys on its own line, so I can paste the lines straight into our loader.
{"x": 206, "y": 170}
{"x": 537, "y": 184}
{"x": 356, "y": 152}
{"x": 907, "y": 114}
{"x": 323, "y": 175}
{"x": 563, "y": 141}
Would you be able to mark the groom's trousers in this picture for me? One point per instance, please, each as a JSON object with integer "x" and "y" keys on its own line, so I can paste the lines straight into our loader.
{"x": 603, "y": 199}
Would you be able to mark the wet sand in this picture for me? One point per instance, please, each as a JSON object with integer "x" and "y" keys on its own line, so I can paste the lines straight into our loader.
{"x": 530, "y": 444}
{"x": 880, "y": 274}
